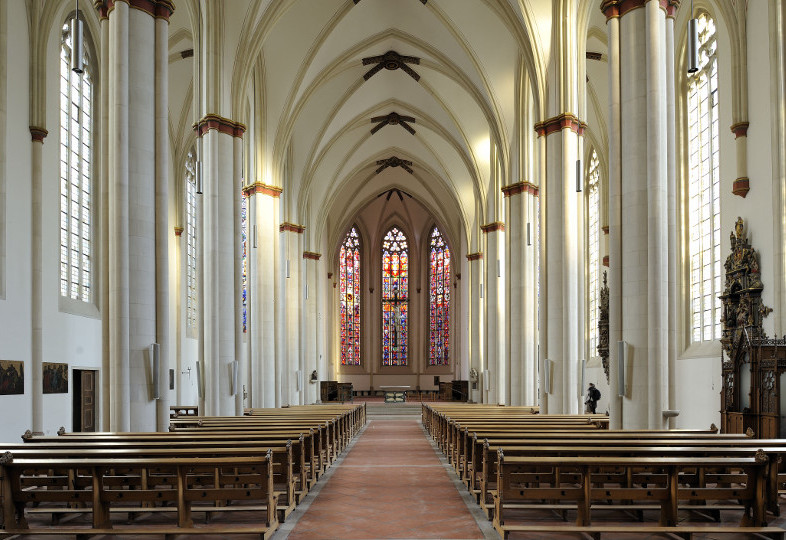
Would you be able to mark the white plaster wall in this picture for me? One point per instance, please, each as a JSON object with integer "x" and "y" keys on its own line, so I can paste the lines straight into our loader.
{"x": 15, "y": 316}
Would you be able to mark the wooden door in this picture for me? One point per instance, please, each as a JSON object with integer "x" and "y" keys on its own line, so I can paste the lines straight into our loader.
{"x": 84, "y": 400}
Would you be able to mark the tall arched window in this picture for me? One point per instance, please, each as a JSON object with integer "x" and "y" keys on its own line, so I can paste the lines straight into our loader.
{"x": 439, "y": 301}
{"x": 395, "y": 296}
{"x": 244, "y": 255}
{"x": 593, "y": 250}
{"x": 349, "y": 301}
{"x": 704, "y": 189}
{"x": 191, "y": 254}
{"x": 76, "y": 143}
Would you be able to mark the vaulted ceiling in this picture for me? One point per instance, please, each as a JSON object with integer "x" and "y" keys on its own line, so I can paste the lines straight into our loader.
{"x": 293, "y": 72}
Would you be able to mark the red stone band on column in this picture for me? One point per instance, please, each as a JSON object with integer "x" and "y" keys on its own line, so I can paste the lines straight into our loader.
{"x": 605, "y": 229}
{"x": 178, "y": 231}
{"x": 262, "y": 189}
{"x": 292, "y": 227}
{"x": 160, "y": 9}
{"x": 617, "y": 8}
{"x": 311, "y": 255}
{"x": 606, "y": 261}
{"x": 560, "y": 122}
{"x": 475, "y": 256}
{"x": 102, "y": 8}
{"x": 223, "y": 125}
{"x": 492, "y": 227}
{"x": 520, "y": 187}
{"x": 741, "y": 186}
{"x": 38, "y": 133}
{"x": 740, "y": 129}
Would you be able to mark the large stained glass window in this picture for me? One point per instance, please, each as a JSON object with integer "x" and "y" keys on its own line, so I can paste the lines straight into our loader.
{"x": 244, "y": 255}
{"x": 191, "y": 245}
{"x": 704, "y": 189}
{"x": 439, "y": 301}
{"x": 349, "y": 301}
{"x": 395, "y": 296}
{"x": 593, "y": 249}
{"x": 76, "y": 142}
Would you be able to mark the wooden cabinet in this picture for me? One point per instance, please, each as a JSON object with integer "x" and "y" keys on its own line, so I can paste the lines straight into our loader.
{"x": 335, "y": 391}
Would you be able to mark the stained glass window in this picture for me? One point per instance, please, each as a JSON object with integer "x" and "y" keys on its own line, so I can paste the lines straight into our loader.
{"x": 593, "y": 249}
{"x": 439, "y": 301}
{"x": 76, "y": 142}
{"x": 191, "y": 253}
{"x": 349, "y": 301}
{"x": 395, "y": 296}
{"x": 704, "y": 189}
{"x": 244, "y": 255}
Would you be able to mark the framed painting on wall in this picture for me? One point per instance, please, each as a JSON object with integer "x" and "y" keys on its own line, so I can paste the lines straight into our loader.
{"x": 55, "y": 378}
{"x": 12, "y": 377}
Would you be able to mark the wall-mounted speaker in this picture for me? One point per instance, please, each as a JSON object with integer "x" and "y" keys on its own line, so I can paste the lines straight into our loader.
{"x": 298, "y": 380}
{"x": 233, "y": 380}
{"x": 200, "y": 380}
{"x": 622, "y": 350}
{"x": 486, "y": 380}
{"x": 155, "y": 357}
{"x": 171, "y": 379}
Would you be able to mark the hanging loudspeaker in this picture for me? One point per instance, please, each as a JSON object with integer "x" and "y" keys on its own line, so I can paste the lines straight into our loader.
{"x": 693, "y": 46}
{"x": 77, "y": 45}
{"x": 156, "y": 362}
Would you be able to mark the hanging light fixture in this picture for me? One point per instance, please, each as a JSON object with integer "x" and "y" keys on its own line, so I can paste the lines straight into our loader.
{"x": 77, "y": 44}
{"x": 693, "y": 42}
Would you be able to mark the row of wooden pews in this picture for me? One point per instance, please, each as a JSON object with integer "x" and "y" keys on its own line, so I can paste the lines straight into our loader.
{"x": 242, "y": 474}
{"x": 525, "y": 469}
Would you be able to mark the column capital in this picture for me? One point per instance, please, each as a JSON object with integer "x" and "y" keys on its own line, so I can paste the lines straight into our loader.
{"x": 160, "y": 9}
{"x": 262, "y": 189}
{"x": 311, "y": 255}
{"x": 38, "y": 133}
{"x": 223, "y": 125}
{"x": 292, "y": 227}
{"x": 740, "y": 129}
{"x": 617, "y": 8}
{"x": 558, "y": 123}
{"x": 493, "y": 227}
{"x": 178, "y": 231}
{"x": 475, "y": 256}
{"x": 520, "y": 187}
{"x": 741, "y": 186}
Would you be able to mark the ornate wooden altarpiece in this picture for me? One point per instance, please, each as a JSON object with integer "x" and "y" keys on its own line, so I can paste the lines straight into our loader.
{"x": 752, "y": 362}
{"x": 603, "y": 327}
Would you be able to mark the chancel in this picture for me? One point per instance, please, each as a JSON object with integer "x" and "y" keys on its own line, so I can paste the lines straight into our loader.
{"x": 305, "y": 238}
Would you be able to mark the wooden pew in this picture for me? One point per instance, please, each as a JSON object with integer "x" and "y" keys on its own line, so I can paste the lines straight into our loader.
{"x": 582, "y": 483}
{"x": 100, "y": 485}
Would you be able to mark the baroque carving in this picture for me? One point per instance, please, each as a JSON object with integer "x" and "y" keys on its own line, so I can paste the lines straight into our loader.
{"x": 742, "y": 310}
{"x": 603, "y": 327}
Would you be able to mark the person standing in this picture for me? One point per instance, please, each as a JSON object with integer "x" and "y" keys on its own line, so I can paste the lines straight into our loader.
{"x": 593, "y": 395}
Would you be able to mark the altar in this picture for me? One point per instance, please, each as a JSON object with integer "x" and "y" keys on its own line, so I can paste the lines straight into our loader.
{"x": 395, "y": 394}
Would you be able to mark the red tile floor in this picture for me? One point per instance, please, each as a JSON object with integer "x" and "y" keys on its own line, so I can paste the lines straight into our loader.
{"x": 391, "y": 484}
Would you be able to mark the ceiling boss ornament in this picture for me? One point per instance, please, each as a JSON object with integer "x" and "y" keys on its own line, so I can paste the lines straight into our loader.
{"x": 393, "y": 119}
{"x": 392, "y": 61}
{"x": 394, "y": 161}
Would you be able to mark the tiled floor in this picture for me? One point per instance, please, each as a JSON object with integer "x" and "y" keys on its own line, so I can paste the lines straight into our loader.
{"x": 390, "y": 485}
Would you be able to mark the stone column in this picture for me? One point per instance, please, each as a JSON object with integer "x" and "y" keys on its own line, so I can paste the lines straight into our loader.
{"x": 137, "y": 136}
{"x": 639, "y": 252}
{"x": 221, "y": 181}
{"x": 522, "y": 298}
{"x": 476, "y": 319}
{"x": 290, "y": 360}
{"x": 563, "y": 263}
{"x": 310, "y": 346}
{"x": 494, "y": 302}
{"x": 36, "y": 289}
{"x": 239, "y": 373}
{"x": 778, "y": 37}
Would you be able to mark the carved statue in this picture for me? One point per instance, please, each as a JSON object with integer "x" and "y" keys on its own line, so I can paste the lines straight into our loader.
{"x": 603, "y": 326}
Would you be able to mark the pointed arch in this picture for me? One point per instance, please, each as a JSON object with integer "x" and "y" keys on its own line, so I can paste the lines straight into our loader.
{"x": 439, "y": 299}
{"x": 192, "y": 311}
{"x": 593, "y": 191}
{"x": 349, "y": 298}
{"x": 395, "y": 298}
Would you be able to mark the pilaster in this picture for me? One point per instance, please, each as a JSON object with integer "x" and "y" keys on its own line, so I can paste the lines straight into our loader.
{"x": 494, "y": 302}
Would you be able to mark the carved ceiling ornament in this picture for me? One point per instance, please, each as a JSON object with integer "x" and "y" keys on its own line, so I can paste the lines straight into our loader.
{"x": 603, "y": 326}
{"x": 743, "y": 310}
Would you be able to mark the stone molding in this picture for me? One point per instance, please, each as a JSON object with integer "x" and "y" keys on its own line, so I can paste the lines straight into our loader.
{"x": 475, "y": 256}
{"x": 741, "y": 186}
{"x": 740, "y": 129}
{"x": 493, "y": 227}
{"x": 557, "y": 123}
{"x": 178, "y": 231}
{"x": 292, "y": 227}
{"x": 617, "y": 8}
{"x": 38, "y": 134}
{"x": 520, "y": 187}
{"x": 160, "y": 9}
{"x": 262, "y": 189}
{"x": 223, "y": 125}
{"x": 311, "y": 255}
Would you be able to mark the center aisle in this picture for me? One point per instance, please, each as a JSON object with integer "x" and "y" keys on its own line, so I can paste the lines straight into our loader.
{"x": 391, "y": 484}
